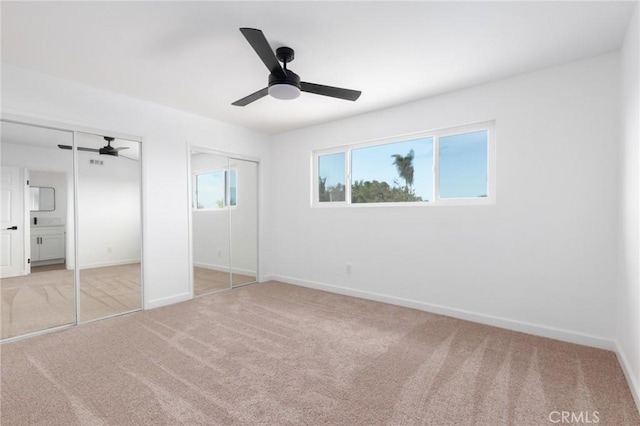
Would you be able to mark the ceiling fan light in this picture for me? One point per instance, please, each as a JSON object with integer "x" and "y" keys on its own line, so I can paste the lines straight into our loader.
{"x": 284, "y": 91}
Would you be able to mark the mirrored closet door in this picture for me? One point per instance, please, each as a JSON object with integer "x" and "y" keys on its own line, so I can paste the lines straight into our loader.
{"x": 56, "y": 199}
{"x": 109, "y": 225}
{"x": 224, "y": 220}
{"x": 37, "y": 282}
{"x": 243, "y": 217}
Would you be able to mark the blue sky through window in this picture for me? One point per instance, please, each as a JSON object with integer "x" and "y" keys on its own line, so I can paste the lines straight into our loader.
{"x": 331, "y": 166}
{"x": 463, "y": 165}
{"x": 210, "y": 190}
{"x": 376, "y": 163}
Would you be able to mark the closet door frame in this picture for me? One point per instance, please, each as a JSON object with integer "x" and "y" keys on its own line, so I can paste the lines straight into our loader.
{"x": 74, "y": 129}
{"x": 230, "y": 156}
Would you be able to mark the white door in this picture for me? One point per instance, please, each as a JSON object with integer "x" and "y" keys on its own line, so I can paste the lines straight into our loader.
{"x": 12, "y": 250}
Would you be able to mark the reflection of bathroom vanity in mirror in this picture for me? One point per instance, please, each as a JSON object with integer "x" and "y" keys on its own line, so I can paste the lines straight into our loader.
{"x": 48, "y": 205}
{"x": 47, "y": 244}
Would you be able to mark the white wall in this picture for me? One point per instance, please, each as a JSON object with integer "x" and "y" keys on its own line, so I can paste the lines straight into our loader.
{"x": 166, "y": 133}
{"x": 541, "y": 260}
{"x": 109, "y": 227}
{"x": 628, "y": 307}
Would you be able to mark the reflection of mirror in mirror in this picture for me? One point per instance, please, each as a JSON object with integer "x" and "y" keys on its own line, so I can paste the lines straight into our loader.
{"x": 42, "y": 199}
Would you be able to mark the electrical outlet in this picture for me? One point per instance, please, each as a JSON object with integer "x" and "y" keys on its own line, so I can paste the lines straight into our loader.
{"x": 348, "y": 268}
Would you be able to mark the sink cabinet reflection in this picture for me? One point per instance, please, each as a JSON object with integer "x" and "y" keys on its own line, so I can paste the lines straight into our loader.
{"x": 47, "y": 245}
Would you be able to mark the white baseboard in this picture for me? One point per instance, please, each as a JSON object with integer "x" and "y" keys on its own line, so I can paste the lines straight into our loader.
{"x": 164, "y": 301}
{"x": 632, "y": 380}
{"x": 501, "y": 322}
{"x": 223, "y": 268}
{"x": 265, "y": 278}
{"x": 105, "y": 264}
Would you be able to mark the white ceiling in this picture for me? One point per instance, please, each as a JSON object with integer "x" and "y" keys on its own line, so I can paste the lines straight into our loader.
{"x": 191, "y": 56}
{"x": 40, "y": 137}
{"x": 43, "y": 137}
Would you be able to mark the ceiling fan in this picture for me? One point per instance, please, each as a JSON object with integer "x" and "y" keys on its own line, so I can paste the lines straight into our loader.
{"x": 105, "y": 150}
{"x": 284, "y": 83}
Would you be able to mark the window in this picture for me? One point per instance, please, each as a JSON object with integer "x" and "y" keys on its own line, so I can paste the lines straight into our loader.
{"x": 331, "y": 177}
{"x": 214, "y": 190}
{"x": 232, "y": 184}
{"x": 449, "y": 166}
{"x": 393, "y": 172}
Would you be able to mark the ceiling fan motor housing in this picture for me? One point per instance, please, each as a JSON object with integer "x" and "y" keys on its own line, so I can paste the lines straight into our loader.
{"x": 291, "y": 78}
{"x": 284, "y": 88}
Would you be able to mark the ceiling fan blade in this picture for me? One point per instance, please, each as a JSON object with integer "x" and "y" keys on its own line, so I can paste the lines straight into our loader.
{"x": 260, "y": 44}
{"x": 334, "y": 92}
{"x": 252, "y": 97}
{"x": 120, "y": 148}
{"x": 80, "y": 148}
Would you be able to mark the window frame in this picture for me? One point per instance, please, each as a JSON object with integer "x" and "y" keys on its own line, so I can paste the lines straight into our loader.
{"x": 227, "y": 189}
{"x": 490, "y": 199}
{"x": 315, "y": 167}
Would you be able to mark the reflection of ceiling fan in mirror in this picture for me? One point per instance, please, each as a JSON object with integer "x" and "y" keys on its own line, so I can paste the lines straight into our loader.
{"x": 105, "y": 150}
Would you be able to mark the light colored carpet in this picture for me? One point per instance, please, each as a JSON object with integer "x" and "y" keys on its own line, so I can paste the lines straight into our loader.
{"x": 109, "y": 290}
{"x": 276, "y": 354}
{"x": 45, "y": 299}
{"x": 209, "y": 280}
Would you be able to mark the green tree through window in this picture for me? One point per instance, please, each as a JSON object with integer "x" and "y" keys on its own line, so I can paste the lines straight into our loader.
{"x": 405, "y": 168}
